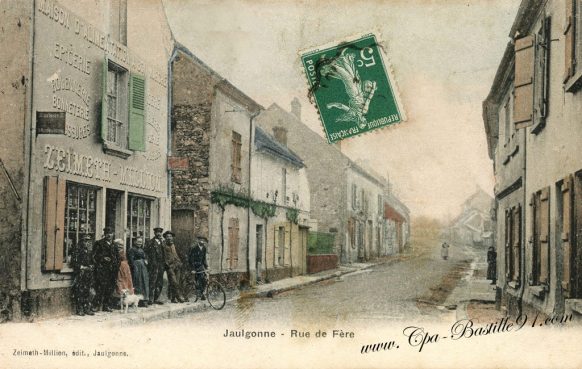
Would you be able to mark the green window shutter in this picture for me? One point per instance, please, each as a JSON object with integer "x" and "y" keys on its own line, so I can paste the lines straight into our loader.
{"x": 137, "y": 113}
{"x": 104, "y": 101}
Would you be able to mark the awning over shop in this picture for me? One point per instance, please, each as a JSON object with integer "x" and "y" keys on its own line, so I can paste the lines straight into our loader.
{"x": 391, "y": 213}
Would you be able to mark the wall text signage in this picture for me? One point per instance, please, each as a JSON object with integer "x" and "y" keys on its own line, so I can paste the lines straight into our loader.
{"x": 50, "y": 122}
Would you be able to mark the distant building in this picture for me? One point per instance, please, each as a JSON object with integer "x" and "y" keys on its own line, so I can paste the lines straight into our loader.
{"x": 532, "y": 120}
{"x": 474, "y": 225}
{"x": 347, "y": 201}
{"x": 84, "y": 127}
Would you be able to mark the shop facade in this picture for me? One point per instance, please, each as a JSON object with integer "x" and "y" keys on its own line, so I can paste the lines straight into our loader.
{"x": 96, "y": 148}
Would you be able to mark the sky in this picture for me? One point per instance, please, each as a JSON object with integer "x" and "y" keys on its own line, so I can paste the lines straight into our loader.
{"x": 444, "y": 55}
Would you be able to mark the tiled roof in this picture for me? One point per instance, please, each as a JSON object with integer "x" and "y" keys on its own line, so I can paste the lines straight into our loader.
{"x": 267, "y": 143}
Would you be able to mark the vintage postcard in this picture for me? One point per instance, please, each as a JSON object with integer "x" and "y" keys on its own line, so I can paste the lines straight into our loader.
{"x": 290, "y": 184}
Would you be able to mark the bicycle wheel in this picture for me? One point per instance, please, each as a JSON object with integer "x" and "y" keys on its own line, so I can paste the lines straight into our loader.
{"x": 216, "y": 295}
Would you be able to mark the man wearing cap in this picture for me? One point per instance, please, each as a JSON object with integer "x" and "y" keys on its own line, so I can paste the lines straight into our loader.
{"x": 155, "y": 255}
{"x": 82, "y": 263}
{"x": 173, "y": 268}
{"x": 106, "y": 260}
{"x": 198, "y": 264}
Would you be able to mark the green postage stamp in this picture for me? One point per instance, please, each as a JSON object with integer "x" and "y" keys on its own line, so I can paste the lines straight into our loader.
{"x": 352, "y": 88}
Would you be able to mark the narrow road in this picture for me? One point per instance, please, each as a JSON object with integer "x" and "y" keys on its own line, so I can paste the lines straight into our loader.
{"x": 413, "y": 288}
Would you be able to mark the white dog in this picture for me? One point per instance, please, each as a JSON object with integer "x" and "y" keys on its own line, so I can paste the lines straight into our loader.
{"x": 127, "y": 299}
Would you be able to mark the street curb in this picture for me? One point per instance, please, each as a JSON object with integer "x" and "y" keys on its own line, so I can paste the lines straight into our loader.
{"x": 167, "y": 312}
{"x": 274, "y": 291}
{"x": 170, "y": 311}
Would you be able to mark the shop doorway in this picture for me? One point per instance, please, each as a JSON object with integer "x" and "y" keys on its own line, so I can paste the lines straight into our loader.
{"x": 114, "y": 211}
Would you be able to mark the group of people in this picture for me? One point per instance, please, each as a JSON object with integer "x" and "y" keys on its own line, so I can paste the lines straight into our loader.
{"x": 105, "y": 268}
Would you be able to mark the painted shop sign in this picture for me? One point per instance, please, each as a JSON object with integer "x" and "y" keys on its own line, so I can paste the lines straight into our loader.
{"x": 88, "y": 166}
{"x": 85, "y": 31}
{"x": 50, "y": 122}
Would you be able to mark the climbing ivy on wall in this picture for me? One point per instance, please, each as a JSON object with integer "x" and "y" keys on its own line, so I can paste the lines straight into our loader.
{"x": 227, "y": 196}
{"x": 293, "y": 215}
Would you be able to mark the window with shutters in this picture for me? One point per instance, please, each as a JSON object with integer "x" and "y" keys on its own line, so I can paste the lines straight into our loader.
{"x": 352, "y": 232}
{"x": 530, "y": 94}
{"x": 572, "y": 48}
{"x": 69, "y": 214}
{"x": 508, "y": 129}
{"x": 541, "y": 74}
{"x": 513, "y": 243}
{"x": 540, "y": 238}
{"x": 564, "y": 207}
{"x": 281, "y": 246}
{"x": 122, "y": 111}
{"x": 233, "y": 242}
{"x": 139, "y": 214}
{"x": 523, "y": 83}
{"x": 508, "y": 242}
{"x": 236, "y": 171}
{"x": 284, "y": 186}
{"x": 380, "y": 205}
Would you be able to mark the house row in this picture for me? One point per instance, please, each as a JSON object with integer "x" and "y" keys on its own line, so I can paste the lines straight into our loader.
{"x": 108, "y": 121}
{"x": 533, "y": 118}
{"x": 474, "y": 225}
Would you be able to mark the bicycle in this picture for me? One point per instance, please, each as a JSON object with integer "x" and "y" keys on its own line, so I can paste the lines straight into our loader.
{"x": 214, "y": 292}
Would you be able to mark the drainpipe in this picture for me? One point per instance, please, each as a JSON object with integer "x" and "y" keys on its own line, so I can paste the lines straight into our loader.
{"x": 522, "y": 251}
{"x": 251, "y": 139}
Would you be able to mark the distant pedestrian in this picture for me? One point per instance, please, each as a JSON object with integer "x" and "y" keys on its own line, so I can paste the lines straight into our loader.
{"x": 82, "y": 263}
{"x": 106, "y": 258}
{"x": 155, "y": 254}
{"x": 445, "y": 251}
{"x": 139, "y": 270}
{"x": 492, "y": 265}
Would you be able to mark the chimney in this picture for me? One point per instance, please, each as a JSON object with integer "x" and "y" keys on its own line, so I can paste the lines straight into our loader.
{"x": 296, "y": 108}
{"x": 280, "y": 134}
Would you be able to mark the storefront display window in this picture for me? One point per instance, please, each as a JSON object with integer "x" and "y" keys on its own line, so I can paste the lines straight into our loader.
{"x": 80, "y": 216}
{"x": 138, "y": 218}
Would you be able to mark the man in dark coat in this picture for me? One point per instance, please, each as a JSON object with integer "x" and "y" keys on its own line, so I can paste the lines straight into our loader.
{"x": 198, "y": 264}
{"x": 173, "y": 266}
{"x": 155, "y": 255}
{"x": 82, "y": 262}
{"x": 106, "y": 258}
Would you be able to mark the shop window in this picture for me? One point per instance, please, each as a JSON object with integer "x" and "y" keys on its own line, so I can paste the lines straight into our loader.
{"x": 233, "y": 242}
{"x": 139, "y": 214}
{"x": 540, "y": 241}
{"x": 236, "y": 171}
{"x": 122, "y": 128}
{"x": 69, "y": 213}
